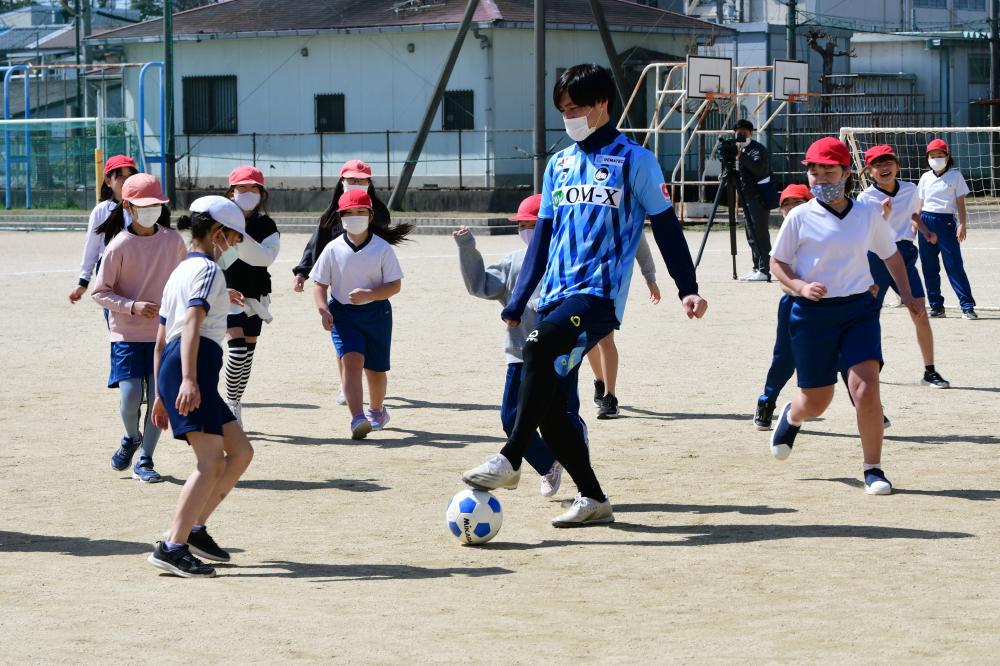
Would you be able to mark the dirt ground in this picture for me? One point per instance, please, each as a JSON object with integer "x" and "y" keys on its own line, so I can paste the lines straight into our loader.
{"x": 341, "y": 553}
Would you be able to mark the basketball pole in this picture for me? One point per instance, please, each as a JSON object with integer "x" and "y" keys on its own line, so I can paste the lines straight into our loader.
{"x": 539, "y": 150}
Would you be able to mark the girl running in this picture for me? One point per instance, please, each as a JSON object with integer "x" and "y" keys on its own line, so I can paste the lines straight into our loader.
{"x": 187, "y": 364}
{"x": 821, "y": 255}
{"x": 134, "y": 270}
{"x": 116, "y": 171}
{"x": 941, "y": 193}
{"x": 354, "y": 175}
{"x": 363, "y": 273}
{"x": 603, "y": 357}
{"x": 883, "y": 167}
{"x": 249, "y": 276}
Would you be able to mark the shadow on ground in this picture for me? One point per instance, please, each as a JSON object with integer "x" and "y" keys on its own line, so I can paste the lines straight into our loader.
{"x": 957, "y": 493}
{"x": 22, "y": 542}
{"x": 346, "y": 572}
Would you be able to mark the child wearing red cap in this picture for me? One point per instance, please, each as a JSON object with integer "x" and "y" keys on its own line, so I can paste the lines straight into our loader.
{"x": 116, "y": 170}
{"x": 821, "y": 255}
{"x": 496, "y": 283}
{"x": 883, "y": 167}
{"x": 249, "y": 276}
{"x": 942, "y": 191}
{"x": 129, "y": 284}
{"x": 356, "y": 275}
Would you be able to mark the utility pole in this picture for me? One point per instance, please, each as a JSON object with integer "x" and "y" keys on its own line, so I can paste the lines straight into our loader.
{"x": 790, "y": 30}
{"x": 79, "y": 72}
{"x": 169, "y": 159}
{"x": 994, "y": 62}
{"x": 540, "y": 105}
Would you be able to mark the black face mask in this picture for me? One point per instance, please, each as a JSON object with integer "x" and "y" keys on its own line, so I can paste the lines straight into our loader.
{"x": 742, "y": 138}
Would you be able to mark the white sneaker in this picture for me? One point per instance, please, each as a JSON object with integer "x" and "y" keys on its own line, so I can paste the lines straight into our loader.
{"x": 237, "y": 409}
{"x": 550, "y": 482}
{"x": 585, "y": 511}
{"x": 341, "y": 398}
{"x": 496, "y": 472}
{"x": 758, "y": 276}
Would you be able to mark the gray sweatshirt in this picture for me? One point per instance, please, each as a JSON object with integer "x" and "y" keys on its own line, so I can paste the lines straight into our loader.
{"x": 496, "y": 283}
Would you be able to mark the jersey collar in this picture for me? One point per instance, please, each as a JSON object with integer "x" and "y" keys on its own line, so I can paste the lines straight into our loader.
{"x": 832, "y": 211}
{"x": 192, "y": 254}
{"x": 358, "y": 248}
{"x": 602, "y": 136}
{"x": 894, "y": 192}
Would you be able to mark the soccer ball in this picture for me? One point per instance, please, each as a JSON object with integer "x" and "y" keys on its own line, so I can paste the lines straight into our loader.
{"x": 474, "y": 516}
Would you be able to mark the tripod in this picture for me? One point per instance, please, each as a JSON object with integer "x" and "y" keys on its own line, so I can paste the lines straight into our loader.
{"x": 729, "y": 183}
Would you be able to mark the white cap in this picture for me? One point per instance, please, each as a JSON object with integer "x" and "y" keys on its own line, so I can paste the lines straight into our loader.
{"x": 222, "y": 210}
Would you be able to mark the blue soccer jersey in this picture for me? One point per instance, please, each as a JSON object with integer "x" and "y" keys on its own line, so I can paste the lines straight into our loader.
{"x": 598, "y": 203}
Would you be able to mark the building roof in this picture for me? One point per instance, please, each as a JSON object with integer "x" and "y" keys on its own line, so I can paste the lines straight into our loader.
{"x": 235, "y": 18}
{"x": 17, "y": 39}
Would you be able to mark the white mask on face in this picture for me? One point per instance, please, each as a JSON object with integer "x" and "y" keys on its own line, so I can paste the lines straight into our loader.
{"x": 349, "y": 187}
{"x": 248, "y": 200}
{"x": 228, "y": 256}
{"x": 355, "y": 224}
{"x": 937, "y": 163}
{"x": 526, "y": 235}
{"x": 578, "y": 129}
{"x": 147, "y": 217}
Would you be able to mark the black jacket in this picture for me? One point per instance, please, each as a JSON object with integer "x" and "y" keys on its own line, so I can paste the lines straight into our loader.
{"x": 323, "y": 234}
{"x": 753, "y": 165}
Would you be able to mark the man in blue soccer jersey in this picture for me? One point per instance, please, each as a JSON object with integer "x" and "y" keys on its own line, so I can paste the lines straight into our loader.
{"x": 596, "y": 196}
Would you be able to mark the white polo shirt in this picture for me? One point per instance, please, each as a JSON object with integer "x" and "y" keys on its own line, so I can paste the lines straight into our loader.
{"x": 832, "y": 249}
{"x": 198, "y": 280}
{"x": 345, "y": 267}
{"x": 940, "y": 193}
{"x": 904, "y": 204}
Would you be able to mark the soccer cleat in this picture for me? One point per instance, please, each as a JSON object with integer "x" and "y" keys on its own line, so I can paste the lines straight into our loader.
{"x": 585, "y": 511}
{"x": 377, "y": 419}
{"x": 180, "y": 562}
{"x": 360, "y": 427}
{"x": 598, "y": 392}
{"x": 876, "y": 483}
{"x": 123, "y": 456}
{"x": 203, "y": 545}
{"x": 143, "y": 471}
{"x": 886, "y": 423}
{"x": 496, "y": 472}
{"x": 551, "y": 480}
{"x": 935, "y": 380}
{"x": 237, "y": 409}
{"x": 783, "y": 437}
{"x": 969, "y": 314}
{"x": 341, "y": 398}
{"x": 937, "y": 312}
{"x": 609, "y": 407}
{"x": 762, "y": 417}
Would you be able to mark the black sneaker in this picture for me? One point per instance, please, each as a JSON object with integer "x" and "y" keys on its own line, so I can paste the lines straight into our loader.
{"x": 934, "y": 380}
{"x": 609, "y": 407}
{"x": 203, "y": 545}
{"x": 762, "y": 417}
{"x": 598, "y": 392}
{"x": 180, "y": 562}
{"x": 969, "y": 314}
{"x": 937, "y": 313}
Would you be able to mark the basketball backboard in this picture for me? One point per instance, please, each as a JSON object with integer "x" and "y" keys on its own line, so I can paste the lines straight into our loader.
{"x": 708, "y": 75}
{"x": 791, "y": 79}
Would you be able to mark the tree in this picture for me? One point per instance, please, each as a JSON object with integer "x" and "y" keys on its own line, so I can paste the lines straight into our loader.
{"x": 828, "y": 52}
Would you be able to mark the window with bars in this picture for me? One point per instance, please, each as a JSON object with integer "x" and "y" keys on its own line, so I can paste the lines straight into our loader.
{"x": 979, "y": 68}
{"x": 974, "y": 5}
{"x": 458, "y": 110}
{"x": 210, "y": 105}
{"x": 931, "y": 4}
{"x": 330, "y": 113}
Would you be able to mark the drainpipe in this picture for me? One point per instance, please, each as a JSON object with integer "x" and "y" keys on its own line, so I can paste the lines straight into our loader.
{"x": 945, "y": 77}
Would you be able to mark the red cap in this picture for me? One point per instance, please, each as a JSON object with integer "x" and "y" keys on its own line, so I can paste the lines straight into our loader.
{"x": 142, "y": 189}
{"x": 117, "y": 162}
{"x": 938, "y": 144}
{"x": 527, "y": 211}
{"x": 246, "y": 175}
{"x": 828, "y": 150}
{"x": 354, "y": 199}
{"x": 796, "y": 191}
{"x": 876, "y": 152}
{"x": 355, "y": 169}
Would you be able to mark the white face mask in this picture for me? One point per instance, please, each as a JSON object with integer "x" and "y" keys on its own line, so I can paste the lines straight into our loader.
{"x": 526, "y": 235}
{"x": 228, "y": 256}
{"x": 147, "y": 217}
{"x": 355, "y": 224}
{"x": 578, "y": 129}
{"x": 349, "y": 188}
{"x": 937, "y": 163}
{"x": 247, "y": 201}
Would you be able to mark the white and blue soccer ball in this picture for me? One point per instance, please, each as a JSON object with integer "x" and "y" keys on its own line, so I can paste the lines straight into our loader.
{"x": 474, "y": 516}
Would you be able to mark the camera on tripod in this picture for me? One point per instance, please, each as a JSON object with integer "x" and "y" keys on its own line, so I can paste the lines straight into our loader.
{"x": 728, "y": 150}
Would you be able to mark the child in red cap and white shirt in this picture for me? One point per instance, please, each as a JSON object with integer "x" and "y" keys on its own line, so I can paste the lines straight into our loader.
{"x": 136, "y": 266}
{"x": 355, "y": 276}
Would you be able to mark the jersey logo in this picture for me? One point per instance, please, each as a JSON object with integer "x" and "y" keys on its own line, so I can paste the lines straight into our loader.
{"x": 575, "y": 320}
{"x": 602, "y": 174}
{"x": 609, "y": 160}
{"x": 666, "y": 191}
{"x": 567, "y": 162}
{"x": 596, "y": 195}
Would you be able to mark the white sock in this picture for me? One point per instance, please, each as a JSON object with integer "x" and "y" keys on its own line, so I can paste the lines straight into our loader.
{"x": 869, "y": 466}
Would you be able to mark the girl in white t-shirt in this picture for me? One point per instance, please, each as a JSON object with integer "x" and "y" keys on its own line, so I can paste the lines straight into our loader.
{"x": 942, "y": 192}
{"x": 361, "y": 272}
{"x": 821, "y": 255}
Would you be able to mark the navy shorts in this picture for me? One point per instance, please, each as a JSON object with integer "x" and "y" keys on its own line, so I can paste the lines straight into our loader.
{"x": 131, "y": 360}
{"x": 591, "y": 317}
{"x": 834, "y": 334}
{"x": 251, "y": 324}
{"x": 213, "y": 412}
{"x": 365, "y": 329}
{"x": 908, "y": 251}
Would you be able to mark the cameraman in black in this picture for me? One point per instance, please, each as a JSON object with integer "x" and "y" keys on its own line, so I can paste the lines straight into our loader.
{"x": 754, "y": 172}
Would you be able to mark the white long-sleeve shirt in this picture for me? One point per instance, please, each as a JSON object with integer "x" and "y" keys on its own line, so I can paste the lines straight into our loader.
{"x": 93, "y": 246}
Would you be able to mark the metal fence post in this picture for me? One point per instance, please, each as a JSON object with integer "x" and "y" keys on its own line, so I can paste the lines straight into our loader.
{"x": 320, "y": 160}
{"x": 388, "y": 163}
{"x": 187, "y": 141}
{"x": 460, "y": 158}
{"x": 253, "y": 140}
